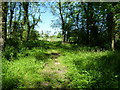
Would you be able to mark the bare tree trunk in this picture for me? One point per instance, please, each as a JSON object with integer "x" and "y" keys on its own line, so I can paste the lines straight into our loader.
{"x": 113, "y": 37}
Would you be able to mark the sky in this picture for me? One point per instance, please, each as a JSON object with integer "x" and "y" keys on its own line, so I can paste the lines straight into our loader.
{"x": 46, "y": 23}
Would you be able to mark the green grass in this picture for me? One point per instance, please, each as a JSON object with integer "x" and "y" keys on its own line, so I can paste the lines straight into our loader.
{"x": 80, "y": 67}
{"x": 92, "y": 69}
{"x": 51, "y": 39}
{"x": 22, "y": 73}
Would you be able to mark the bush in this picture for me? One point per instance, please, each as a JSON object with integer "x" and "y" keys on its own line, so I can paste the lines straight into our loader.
{"x": 30, "y": 44}
{"x": 10, "y": 52}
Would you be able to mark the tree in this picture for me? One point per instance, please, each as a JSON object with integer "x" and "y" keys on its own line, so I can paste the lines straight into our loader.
{"x": 62, "y": 20}
{"x": 12, "y": 7}
{"x": 4, "y": 20}
{"x": 111, "y": 12}
{"x": 35, "y": 18}
{"x": 26, "y": 18}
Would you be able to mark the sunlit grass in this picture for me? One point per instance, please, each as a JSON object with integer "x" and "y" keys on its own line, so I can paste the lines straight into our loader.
{"x": 23, "y": 73}
{"x": 60, "y": 65}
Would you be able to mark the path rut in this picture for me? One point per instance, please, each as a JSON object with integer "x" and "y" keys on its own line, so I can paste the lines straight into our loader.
{"x": 54, "y": 73}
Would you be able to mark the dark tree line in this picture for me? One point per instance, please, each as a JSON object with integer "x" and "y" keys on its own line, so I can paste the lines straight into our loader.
{"x": 90, "y": 23}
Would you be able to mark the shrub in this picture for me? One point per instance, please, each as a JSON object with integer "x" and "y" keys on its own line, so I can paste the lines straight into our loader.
{"x": 10, "y": 52}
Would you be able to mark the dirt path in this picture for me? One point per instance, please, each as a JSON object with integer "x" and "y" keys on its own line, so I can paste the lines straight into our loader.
{"x": 54, "y": 73}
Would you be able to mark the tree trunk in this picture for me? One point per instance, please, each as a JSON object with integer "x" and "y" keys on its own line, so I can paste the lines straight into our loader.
{"x": 4, "y": 24}
{"x": 63, "y": 24}
{"x": 26, "y": 18}
{"x": 113, "y": 37}
{"x": 12, "y": 7}
{"x": 21, "y": 25}
{"x": 87, "y": 20}
{"x": 111, "y": 28}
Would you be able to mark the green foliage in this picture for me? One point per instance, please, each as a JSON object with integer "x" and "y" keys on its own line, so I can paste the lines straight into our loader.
{"x": 34, "y": 35}
{"x": 10, "y": 53}
{"x": 30, "y": 44}
{"x": 59, "y": 35}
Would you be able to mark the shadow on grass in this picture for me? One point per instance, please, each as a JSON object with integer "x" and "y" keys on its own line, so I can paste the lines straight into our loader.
{"x": 70, "y": 47}
{"x": 42, "y": 56}
{"x": 59, "y": 45}
{"x": 9, "y": 83}
{"x": 45, "y": 56}
{"x": 104, "y": 70}
{"x": 109, "y": 66}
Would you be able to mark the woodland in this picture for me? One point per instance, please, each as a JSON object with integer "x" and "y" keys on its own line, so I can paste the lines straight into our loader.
{"x": 84, "y": 54}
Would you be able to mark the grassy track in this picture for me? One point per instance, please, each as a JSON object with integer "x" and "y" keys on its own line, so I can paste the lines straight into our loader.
{"x": 56, "y": 65}
{"x": 54, "y": 72}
